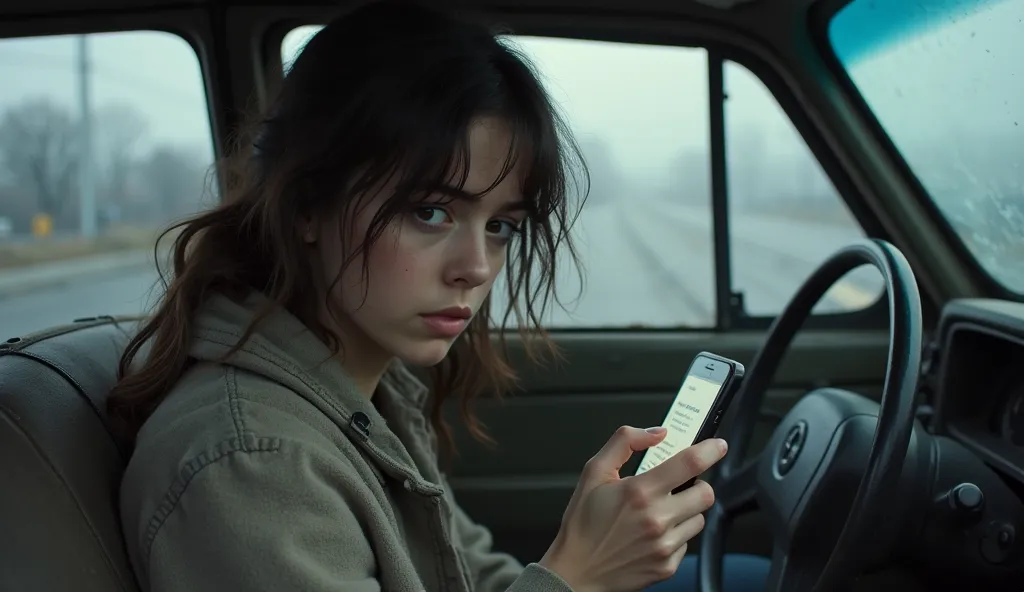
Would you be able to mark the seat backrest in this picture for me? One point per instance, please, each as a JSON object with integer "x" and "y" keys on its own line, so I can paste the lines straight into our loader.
{"x": 60, "y": 464}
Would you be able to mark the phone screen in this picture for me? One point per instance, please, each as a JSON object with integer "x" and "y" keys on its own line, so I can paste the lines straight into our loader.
{"x": 689, "y": 411}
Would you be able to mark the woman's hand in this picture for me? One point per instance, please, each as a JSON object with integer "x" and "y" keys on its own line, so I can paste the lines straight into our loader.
{"x": 624, "y": 534}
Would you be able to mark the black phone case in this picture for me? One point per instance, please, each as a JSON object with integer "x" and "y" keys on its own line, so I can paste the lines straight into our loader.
{"x": 729, "y": 388}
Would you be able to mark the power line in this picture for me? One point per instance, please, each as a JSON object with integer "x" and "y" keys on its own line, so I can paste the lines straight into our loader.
{"x": 116, "y": 74}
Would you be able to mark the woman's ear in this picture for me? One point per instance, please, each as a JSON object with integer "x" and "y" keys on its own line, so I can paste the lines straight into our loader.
{"x": 307, "y": 229}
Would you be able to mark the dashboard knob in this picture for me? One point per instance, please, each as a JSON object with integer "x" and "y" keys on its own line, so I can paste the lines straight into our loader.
{"x": 966, "y": 498}
{"x": 997, "y": 544}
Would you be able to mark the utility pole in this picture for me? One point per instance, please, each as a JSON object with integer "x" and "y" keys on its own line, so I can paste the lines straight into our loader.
{"x": 86, "y": 171}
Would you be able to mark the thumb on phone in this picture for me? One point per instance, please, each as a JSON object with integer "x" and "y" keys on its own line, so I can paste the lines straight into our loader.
{"x": 626, "y": 440}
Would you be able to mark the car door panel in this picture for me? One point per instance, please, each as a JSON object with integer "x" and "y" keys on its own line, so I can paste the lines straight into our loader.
{"x": 565, "y": 412}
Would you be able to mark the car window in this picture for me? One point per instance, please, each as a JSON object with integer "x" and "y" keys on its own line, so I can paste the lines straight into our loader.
{"x": 640, "y": 113}
{"x": 946, "y": 81}
{"x": 785, "y": 217}
{"x": 104, "y": 140}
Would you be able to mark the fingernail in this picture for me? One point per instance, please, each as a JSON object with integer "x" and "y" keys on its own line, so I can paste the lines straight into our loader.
{"x": 723, "y": 445}
{"x": 656, "y": 430}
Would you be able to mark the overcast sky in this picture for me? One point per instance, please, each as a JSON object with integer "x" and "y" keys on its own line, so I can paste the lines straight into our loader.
{"x": 647, "y": 103}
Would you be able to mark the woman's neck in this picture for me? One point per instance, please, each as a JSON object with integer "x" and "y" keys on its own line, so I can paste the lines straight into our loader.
{"x": 363, "y": 359}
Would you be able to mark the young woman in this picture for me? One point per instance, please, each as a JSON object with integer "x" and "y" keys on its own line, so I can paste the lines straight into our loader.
{"x": 281, "y": 444}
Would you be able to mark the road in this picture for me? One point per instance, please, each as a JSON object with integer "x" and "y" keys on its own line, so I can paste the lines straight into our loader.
{"x": 107, "y": 294}
{"x": 649, "y": 265}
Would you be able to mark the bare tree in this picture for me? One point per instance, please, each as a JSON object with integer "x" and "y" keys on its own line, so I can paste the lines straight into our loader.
{"x": 606, "y": 183}
{"x": 175, "y": 179}
{"x": 751, "y": 183}
{"x": 689, "y": 178}
{"x": 38, "y": 149}
{"x": 119, "y": 129}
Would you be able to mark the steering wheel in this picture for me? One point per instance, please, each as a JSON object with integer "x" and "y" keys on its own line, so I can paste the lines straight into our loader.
{"x": 835, "y": 459}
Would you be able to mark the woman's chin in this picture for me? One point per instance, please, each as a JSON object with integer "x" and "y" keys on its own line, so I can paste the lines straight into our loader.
{"x": 425, "y": 353}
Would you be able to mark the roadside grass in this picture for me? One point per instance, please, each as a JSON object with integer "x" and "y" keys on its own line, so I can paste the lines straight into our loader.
{"x": 828, "y": 213}
{"x": 113, "y": 240}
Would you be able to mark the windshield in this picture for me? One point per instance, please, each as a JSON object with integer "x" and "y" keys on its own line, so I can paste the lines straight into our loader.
{"x": 946, "y": 80}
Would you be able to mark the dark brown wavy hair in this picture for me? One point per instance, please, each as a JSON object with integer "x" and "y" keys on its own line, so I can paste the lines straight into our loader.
{"x": 387, "y": 91}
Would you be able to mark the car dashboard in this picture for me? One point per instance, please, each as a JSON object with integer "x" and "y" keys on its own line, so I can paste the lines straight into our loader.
{"x": 979, "y": 382}
{"x": 972, "y": 383}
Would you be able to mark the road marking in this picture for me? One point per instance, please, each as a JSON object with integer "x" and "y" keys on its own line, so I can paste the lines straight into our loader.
{"x": 850, "y": 296}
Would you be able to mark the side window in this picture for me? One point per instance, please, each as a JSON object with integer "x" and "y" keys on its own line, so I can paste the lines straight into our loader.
{"x": 104, "y": 140}
{"x": 641, "y": 116}
{"x": 785, "y": 217}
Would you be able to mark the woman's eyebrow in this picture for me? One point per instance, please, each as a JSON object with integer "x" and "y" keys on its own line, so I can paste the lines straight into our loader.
{"x": 454, "y": 192}
{"x": 515, "y": 206}
{"x": 459, "y": 193}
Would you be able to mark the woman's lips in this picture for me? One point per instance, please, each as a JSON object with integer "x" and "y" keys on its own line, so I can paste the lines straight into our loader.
{"x": 444, "y": 325}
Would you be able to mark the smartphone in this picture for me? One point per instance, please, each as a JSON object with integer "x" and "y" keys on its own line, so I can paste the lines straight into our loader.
{"x": 706, "y": 392}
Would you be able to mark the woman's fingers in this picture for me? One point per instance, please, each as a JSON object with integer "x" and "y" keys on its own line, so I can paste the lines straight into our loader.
{"x": 684, "y": 465}
{"x": 691, "y": 501}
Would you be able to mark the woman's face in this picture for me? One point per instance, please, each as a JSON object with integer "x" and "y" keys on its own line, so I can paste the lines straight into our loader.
{"x": 430, "y": 270}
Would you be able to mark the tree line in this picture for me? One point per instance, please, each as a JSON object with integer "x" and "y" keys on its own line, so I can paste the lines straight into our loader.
{"x": 137, "y": 181}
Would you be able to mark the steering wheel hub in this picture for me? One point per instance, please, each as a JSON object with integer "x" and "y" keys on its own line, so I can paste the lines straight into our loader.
{"x": 791, "y": 447}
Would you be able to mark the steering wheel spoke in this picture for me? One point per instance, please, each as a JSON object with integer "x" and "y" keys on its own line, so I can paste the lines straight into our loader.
{"x": 736, "y": 492}
{"x": 794, "y": 573}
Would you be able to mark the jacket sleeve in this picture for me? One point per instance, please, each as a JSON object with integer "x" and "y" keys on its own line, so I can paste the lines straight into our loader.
{"x": 494, "y": 571}
{"x": 260, "y": 520}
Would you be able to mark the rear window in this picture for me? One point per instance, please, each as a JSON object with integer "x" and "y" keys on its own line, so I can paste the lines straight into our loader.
{"x": 104, "y": 141}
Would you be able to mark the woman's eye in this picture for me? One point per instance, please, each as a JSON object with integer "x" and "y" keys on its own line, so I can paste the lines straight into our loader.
{"x": 503, "y": 228}
{"x": 431, "y": 216}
